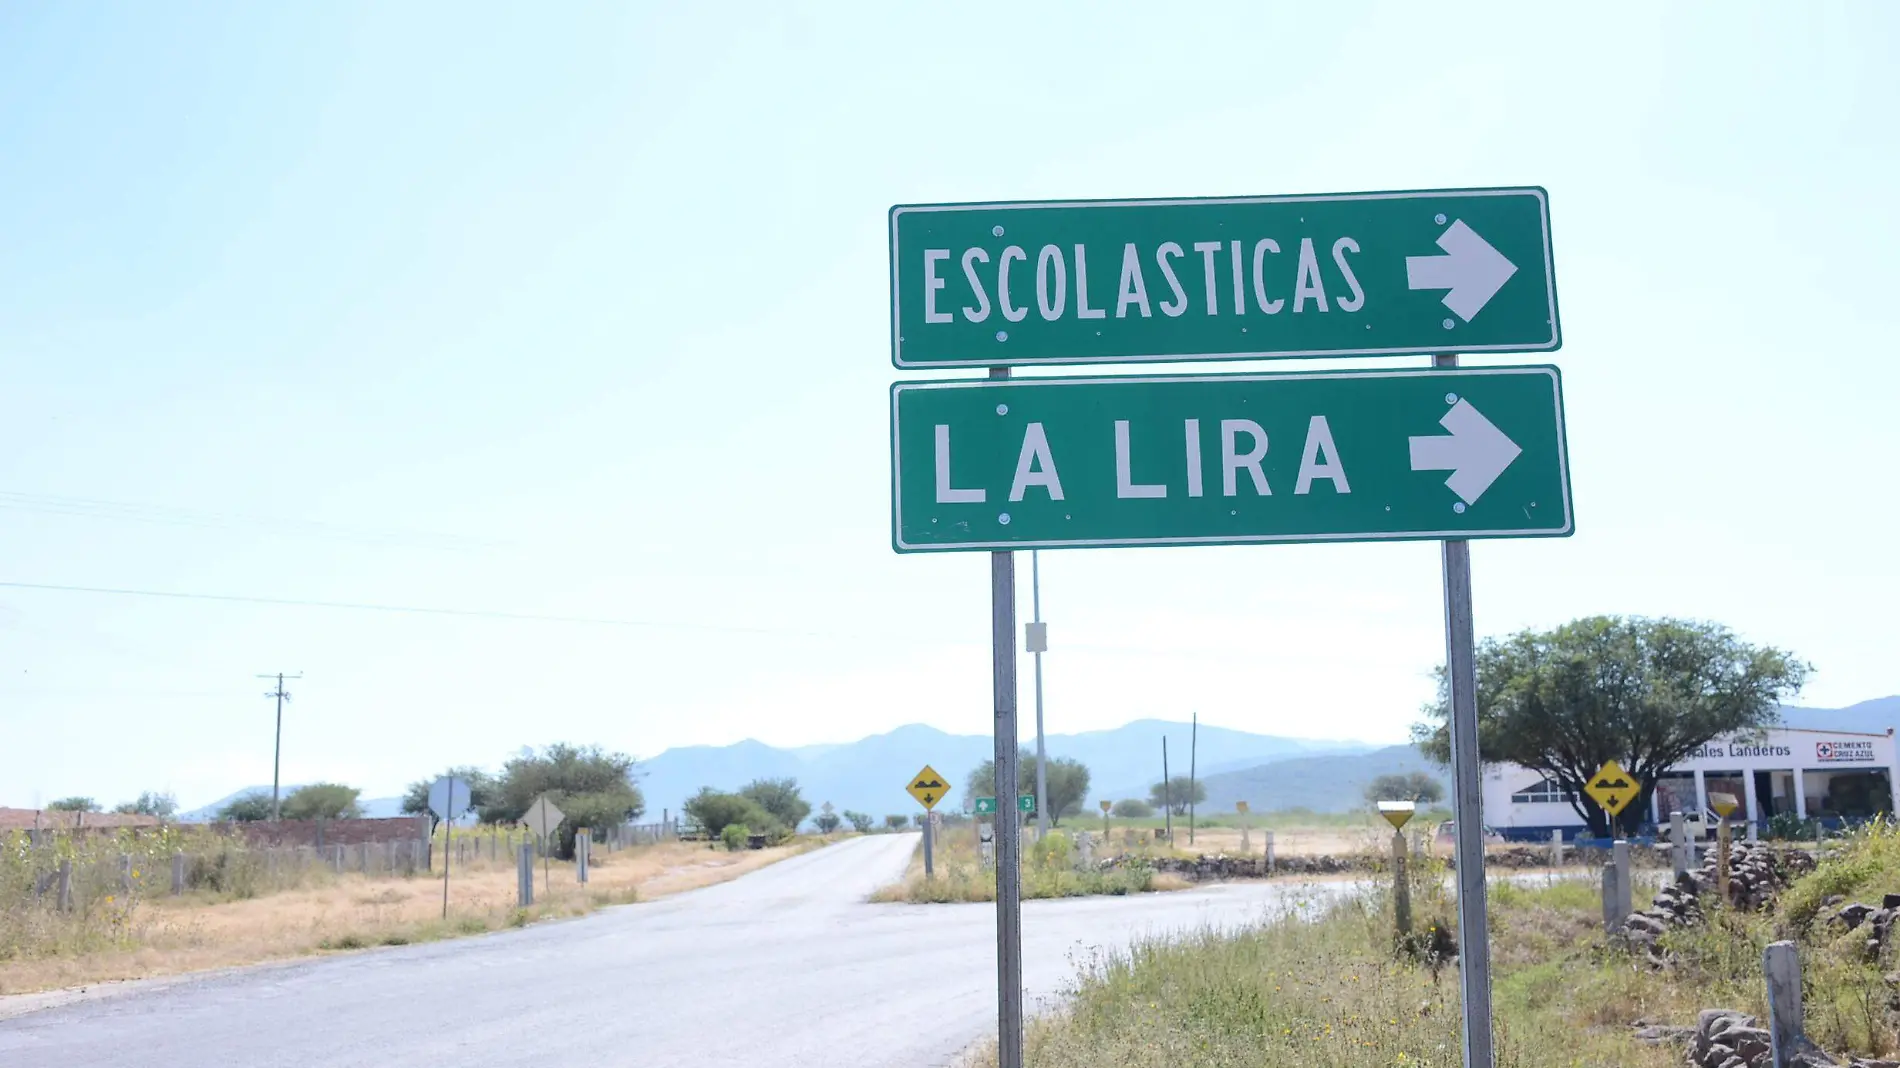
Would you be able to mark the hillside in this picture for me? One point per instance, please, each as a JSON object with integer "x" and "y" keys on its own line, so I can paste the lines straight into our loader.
{"x": 870, "y": 774}
{"x": 1326, "y": 783}
{"x": 1871, "y": 717}
{"x": 372, "y": 806}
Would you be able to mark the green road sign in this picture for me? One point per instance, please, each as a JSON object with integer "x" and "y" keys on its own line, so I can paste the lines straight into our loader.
{"x": 1101, "y": 281}
{"x": 1026, "y": 802}
{"x": 1228, "y": 459}
{"x": 985, "y": 806}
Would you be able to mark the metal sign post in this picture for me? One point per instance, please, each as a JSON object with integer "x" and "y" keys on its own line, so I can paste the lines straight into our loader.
{"x": 928, "y": 788}
{"x": 545, "y": 815}
{"x": 1461, "y": 665}
{"x": 448, "y": 799}
{"x": 1009, "y": 916}
{"x": 1036, "y": 640}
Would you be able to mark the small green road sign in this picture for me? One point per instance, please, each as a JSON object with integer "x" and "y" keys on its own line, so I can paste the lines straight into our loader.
{"x": 1026, "y": 802}
{"x": 1222, "y": 278}
{"x": 985, "y": 806}
{"x": 1229, "y": 459}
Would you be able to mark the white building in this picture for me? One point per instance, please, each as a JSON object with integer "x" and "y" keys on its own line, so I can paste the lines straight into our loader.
{"x": 1832, "y": 775}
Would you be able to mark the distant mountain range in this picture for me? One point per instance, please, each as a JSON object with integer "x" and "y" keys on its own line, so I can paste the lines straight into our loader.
{"x": 371, "y": 806}
{"x": 869, "y": 775}
{"x": 1266, "y": 771}
{"x": 1868, "y": 717}
{"x": 1334, "y": 782}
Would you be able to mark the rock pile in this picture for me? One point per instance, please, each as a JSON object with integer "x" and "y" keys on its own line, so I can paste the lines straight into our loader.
{"x": 1757, "y": 874}
{"x": 1875, "y": 924}
{"x": 1221, "y": 866}
{"x": 1728, "y": 1038}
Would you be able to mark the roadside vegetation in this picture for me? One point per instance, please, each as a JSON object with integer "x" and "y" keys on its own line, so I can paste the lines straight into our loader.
{"x": 85, "y": 906}
{"x": 1050, "y": 868}
{"x": 124, "y": 922}
{"x": 1340, "y": 990}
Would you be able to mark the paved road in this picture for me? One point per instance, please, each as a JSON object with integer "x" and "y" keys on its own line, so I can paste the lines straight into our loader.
{"x": 784, "y": 967}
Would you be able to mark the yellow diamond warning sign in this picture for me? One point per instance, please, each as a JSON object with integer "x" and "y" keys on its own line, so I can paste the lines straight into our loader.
{"x": 1611, "y": 787}
{"x": 928, "y": 787}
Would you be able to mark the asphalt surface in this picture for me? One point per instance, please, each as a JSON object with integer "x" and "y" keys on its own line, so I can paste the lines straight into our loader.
{"x": 787, "y": 966}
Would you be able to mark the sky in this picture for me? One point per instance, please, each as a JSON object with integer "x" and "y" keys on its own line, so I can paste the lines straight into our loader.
{"x": 570, "y": 326}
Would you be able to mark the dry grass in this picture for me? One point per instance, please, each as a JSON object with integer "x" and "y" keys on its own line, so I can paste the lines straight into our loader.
{"x": 165, "y": 935}
{"x": 1048, "y": 870}
{"x": 1335, "y": 992}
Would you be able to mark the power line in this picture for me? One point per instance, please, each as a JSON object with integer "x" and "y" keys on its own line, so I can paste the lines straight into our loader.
{"x": 93, "y": 508}
{"x": 465, "y": 613}
{"x": 887, "y": 637}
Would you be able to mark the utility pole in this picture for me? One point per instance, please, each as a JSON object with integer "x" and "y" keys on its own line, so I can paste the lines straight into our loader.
{"x": 1038, "y": 642}
{"x": 1194, "y": 745}
{"x": 1167, "y": 793}
{"x": 277, "y": 753}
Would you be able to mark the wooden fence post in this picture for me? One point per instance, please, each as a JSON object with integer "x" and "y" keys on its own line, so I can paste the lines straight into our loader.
{"x": 66, "y": 885}
{"x": 178, "y": 874}
{"x": 1269, "y": 835}
{"x": 1556, "y": 847}
{"x": 125, "y": 873}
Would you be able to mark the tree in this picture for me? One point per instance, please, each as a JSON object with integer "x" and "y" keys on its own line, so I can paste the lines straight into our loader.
{"x": 827, "y": 820}
{"x": 1133, "y": 808}
{"x": 252, "y": 807}
{"x": 781, "y": 798}
{"x": 896, "y": 822}
{"x": 715, "y": 810}
{"x": 1412, "y": 786}
{"x": 150, "y": 803}
{"x": 860, "y": 822}
{"x": 1068, "y": 783}
{"x": 1643, "y": 692}
{"x": 73, "y": 804}
{"x": 323, "y": 801}
{"x": 1178, "y": 793}
{"x": 481, "y": 790}
{"x": 592, "y": 787}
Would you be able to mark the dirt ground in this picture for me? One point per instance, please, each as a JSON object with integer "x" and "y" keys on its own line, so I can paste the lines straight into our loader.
{"x": 171, "y": 935}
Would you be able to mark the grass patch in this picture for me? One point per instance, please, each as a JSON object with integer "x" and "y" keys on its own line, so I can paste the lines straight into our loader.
{"x": 1336, "y": 991}
{"x": 1049, "y": 870}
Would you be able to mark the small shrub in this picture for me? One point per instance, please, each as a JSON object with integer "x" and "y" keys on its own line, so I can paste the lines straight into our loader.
{"x": 1788, "y": 827}
{"x": 735, "y": 836}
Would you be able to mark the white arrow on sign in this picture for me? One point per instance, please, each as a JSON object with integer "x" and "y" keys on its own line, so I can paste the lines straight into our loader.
{"x": 1475, "y": 453}
{"x": 1471, "y": 269}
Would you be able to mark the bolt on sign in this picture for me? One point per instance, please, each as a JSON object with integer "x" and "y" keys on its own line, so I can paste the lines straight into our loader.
{"x": 1612, "y": 788}
{"x": 927, "y": 787}
{"x": 1222, "y": 278}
